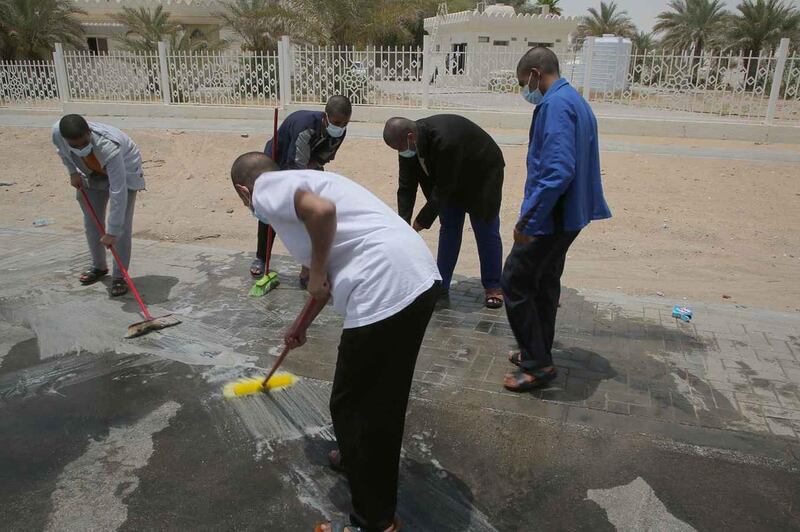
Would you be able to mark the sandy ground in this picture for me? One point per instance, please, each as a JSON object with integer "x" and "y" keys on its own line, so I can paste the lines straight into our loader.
{"x": 693, "y": 228}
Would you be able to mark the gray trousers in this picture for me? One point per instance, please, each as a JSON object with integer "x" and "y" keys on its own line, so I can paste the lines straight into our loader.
{"x": 99, "y": 200}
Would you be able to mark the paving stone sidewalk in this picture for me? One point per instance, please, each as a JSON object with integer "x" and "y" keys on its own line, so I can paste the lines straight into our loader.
{"x": 731, "y": 368}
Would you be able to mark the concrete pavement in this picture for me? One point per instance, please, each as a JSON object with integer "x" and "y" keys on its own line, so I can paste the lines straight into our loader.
{"x": 505, "y": 137}
{"x": 652, "y": 423}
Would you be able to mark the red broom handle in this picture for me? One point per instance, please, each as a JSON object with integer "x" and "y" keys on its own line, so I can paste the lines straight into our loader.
{"x": 303, "y": 320}
{"x": 270, "y": 232}
{"x": 102, "y": 230}
{"x": 270, "y": 238}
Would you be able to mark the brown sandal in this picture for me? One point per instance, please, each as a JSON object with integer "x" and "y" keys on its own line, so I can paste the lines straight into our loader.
{"x": 522, "y": 383}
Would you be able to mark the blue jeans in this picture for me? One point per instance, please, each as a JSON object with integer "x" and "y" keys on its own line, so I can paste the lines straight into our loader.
{"x": 487, "y": 236}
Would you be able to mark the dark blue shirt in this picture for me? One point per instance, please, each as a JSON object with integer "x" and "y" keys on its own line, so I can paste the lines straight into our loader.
{"x": 563, "y": 191}
{"x": 303, "y": 142}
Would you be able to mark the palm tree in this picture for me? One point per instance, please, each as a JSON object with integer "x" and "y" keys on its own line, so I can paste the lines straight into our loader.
{"x": 29, "y": 29}
{"x": 644, "y": 42}
{"x": 692, "y": 24}
{"x": 608, "y": 20}
{"x": 361, "y": 22}
{"x": 259, "y": 23}
{"x": 552, "y": 4}
{"x": 146, "y": 28}
{"x": 761, "y": 24}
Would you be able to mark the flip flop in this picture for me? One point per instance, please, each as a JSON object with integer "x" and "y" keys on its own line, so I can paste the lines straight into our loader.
{"x": 119, "y": 287}
{"x": 515, "y": 357}
{"x": 92, "y": 276}
{"x": 541, "y": 378}
{"x": 494, "y": 302}
{"x": 257, "y": 268}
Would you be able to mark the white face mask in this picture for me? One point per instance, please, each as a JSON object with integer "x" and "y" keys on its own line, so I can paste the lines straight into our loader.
{"x": 82, "y": 152}
{"x": 334, "y": 130}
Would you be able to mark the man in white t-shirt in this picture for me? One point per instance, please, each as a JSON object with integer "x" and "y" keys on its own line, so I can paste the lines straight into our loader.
{"x": 384, "y": 281}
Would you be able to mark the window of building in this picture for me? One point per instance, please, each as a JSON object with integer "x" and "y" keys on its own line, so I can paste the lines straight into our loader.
{"x": 483, "y": 39}
{"x": 97, "y": 45}
{"x": 545, "y": 44}
{"x": 197, "y": 33}
{"x": 513, "y": 39}
{"x": 500, "y": 43}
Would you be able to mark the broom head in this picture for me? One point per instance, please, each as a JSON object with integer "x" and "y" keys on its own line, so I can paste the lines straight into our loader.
{"x": 256, "y": 385}
{"x": 144, "y": 327}
{"x": 265, "y": 284}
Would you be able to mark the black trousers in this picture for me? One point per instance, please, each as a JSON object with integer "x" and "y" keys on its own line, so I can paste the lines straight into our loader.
{"x": 262, "y": 250}
{"x": 532, "y": 288}
{"x": 368, "y": 406}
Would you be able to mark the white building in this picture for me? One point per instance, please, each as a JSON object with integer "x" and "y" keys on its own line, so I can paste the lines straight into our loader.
{"x": 197, "y": 17}
{"x": 498, "y": 26}
{"x": 479, "y": 49}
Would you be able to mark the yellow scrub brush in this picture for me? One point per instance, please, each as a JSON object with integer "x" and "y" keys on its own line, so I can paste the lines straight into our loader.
{"x": 272, "y": 381}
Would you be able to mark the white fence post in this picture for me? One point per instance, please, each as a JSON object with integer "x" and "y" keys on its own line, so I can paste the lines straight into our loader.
{"x": 777, "y": 80}
{"x": 427, "y": 57}
{"x": 284, "y": 71}
{"x": 588, "y": 47}
{"x": 61, "y": 73}
{"x": 166, "y": 91}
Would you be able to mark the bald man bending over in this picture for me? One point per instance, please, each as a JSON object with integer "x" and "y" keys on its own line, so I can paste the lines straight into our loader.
{"x": 459, "y": 168}
{"x": 384, "y": 281}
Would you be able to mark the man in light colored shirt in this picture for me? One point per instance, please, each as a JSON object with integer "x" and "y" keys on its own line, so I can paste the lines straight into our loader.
{"x": 106, "y": 163}
{"x": 384, "y": 281}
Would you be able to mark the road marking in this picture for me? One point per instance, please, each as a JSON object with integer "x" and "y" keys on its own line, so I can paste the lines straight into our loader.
{"x": 635, "y": 507}
{"x": 90, "y": 490}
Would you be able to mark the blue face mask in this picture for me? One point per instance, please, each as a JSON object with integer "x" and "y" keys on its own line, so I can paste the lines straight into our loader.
{"x": 534, "y": 97}
{"x": 408, "y": 153}
{"x": 334, "y": 130}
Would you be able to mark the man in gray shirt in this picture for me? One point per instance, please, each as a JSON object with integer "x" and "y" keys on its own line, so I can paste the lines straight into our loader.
{"x": 106, "y": 163}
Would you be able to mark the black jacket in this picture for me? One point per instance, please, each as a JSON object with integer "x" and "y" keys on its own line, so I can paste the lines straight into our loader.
{"x": 465, "y": 165}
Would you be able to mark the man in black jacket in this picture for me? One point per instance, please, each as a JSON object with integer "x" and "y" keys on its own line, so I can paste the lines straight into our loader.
{"x": 459, "y": 168}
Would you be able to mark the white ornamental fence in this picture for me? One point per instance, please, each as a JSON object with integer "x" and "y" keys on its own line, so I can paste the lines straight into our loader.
{"x": 617, "y": 80}
{"x": 28, "y": 84}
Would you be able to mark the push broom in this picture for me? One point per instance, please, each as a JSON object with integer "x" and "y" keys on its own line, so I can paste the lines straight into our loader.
{"x": 273, "y": 380}
{"x": 270, "y": 279}
{"x": 150, "y": 323}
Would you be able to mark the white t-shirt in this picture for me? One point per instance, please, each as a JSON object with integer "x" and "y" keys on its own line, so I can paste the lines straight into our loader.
{"x": 378, "y": 264}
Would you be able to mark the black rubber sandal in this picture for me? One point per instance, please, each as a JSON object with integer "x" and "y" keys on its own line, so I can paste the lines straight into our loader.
{"x": 119, "y": 287}
{"x": 257, "y": 268}
{"x": 515, "y": 357}
{"x": 92, "y": 276}
{"x": 494, "y": 302}
{"x": 541, "y": 378}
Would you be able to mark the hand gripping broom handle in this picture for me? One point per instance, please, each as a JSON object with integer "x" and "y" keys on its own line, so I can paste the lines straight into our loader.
{"x": 303, "y": 320}
{"x": 100, "y": 228}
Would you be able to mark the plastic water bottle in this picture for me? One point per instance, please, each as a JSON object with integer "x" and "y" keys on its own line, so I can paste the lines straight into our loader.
{"x": 41, "y": 222}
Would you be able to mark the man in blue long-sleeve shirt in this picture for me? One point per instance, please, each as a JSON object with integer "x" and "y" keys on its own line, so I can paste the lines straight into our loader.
{"x": 563, "y": 193}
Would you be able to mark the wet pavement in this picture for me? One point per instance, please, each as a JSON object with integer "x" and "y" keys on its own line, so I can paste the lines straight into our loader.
{"x": 652, "y": 424}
